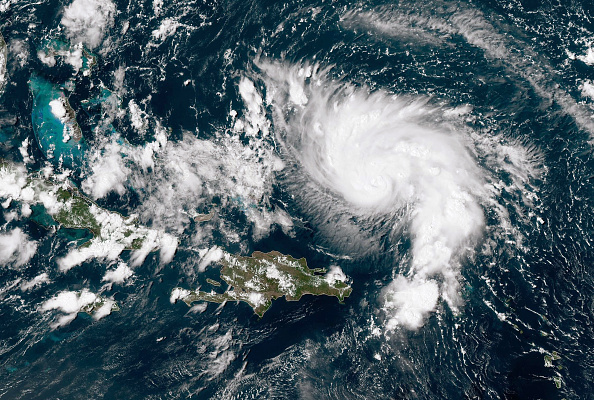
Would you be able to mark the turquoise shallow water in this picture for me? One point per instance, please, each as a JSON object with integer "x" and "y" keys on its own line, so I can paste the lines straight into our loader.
{"x": 510, "y": 78}
{"x": 49, "y": 129}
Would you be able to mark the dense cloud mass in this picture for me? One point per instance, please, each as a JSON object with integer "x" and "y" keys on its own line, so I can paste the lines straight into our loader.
{"x": 390, "y": 156}
{"x": 87, "y": 21}
{"x": 16, "y": 248}
{"x": 431, "y": 158}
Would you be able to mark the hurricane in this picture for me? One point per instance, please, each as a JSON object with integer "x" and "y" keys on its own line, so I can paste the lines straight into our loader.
{"x": 396, "y": 158}
{"x": 296, "y": 200}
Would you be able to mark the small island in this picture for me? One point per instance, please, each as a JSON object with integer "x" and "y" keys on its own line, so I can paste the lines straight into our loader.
{"x": 100, "y": 307}
{"x": 69, "y": 304}
{"x": 204, "y": 217}
{"x": 263, "y": 277}
{"x": 3, "y": 59}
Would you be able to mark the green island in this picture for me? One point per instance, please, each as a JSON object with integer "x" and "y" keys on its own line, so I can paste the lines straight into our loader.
{"x": 53, "y": 202}
{"x": 263, "y": 277}
{"x": 213, "y": 282}
{"x": 83, "y": 301}
{"x": 96, "y": 306}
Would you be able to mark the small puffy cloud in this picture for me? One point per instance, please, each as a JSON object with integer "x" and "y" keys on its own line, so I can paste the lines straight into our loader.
{"x": 178, "y": 294}
{"x": 588, "y": 58}
{"x": 587, "y": 89}
{"x": 335, "y": 275}
{"x": 118, "y": 275}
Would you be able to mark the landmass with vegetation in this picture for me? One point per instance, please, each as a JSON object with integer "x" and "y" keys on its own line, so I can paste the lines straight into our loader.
{"x": 264, "y": 277}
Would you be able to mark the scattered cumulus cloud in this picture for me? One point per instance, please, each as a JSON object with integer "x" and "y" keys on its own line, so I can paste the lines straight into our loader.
{"x": 15, "y": 248}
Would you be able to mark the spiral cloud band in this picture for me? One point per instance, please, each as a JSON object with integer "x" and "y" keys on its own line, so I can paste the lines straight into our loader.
{"x": 383, "y": 153}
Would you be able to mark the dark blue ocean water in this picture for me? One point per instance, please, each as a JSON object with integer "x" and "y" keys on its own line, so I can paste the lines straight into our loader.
{"x": 516, "y": 63}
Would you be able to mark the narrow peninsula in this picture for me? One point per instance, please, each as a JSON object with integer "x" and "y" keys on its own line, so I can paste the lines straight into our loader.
{"x": 3, "y": 59}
